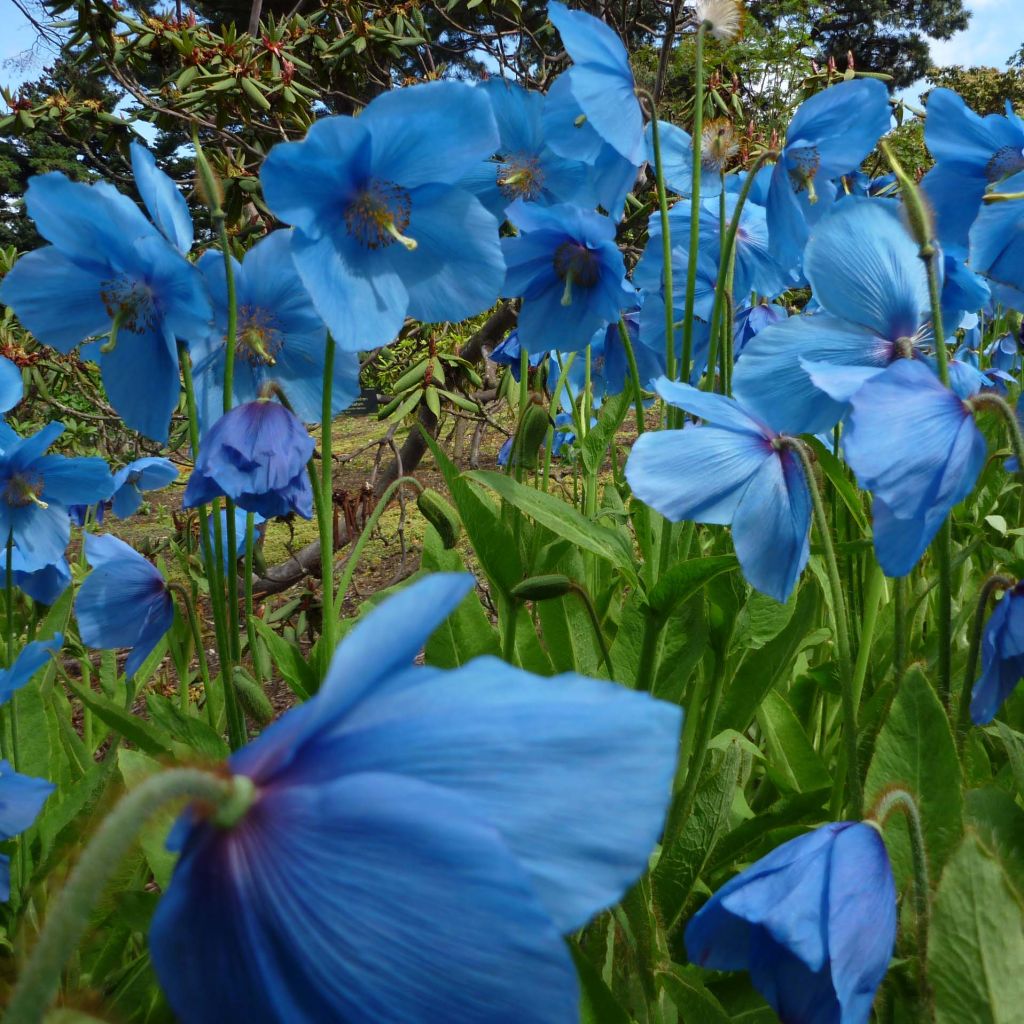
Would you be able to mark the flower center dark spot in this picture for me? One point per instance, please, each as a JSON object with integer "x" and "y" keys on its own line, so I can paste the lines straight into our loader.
{"x": 22, "y": 490}
{"x": 576, "y": 263}
{"x": 803, "y": 166}
{"x": 132, "y": 301}
{"x": 379, "y": 214}
{"x": 520, "y": 177}
{"x": 259, "y": 339}
{"x": 1004, "y": 161}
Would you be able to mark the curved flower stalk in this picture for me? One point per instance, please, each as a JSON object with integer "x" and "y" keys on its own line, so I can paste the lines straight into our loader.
{"x": 384, "y": 225}
{"x": 109, "y": 270}
{"x": 450, "y": 827}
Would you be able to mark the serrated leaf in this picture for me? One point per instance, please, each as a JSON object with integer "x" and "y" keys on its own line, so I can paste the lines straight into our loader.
{"x": 288, "y": 658}
{"x": 793, "y": 764}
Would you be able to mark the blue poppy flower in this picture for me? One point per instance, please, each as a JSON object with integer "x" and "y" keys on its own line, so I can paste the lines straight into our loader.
{"x": 914, "y": 444}
{"x": 651, "y": 334}
{"x": 750, "y": 321}
{"x": 36, "y": 491}
{"x": 29, "y": 661}
{"x": 866, "y": 274}
{"x": 1004, "y": 353}
{"x": 281, "y": 338}
{"x": 609, "y": 366}
{"x": 601, "y": 80}
{"x": 997, "y": 244}
{"x": 164, "y": 203}
{"x": 971, "y": 152}
{"x": 21, "y": 799}
{"x": 123, "y": 602}
{"x": 524, "y": 166}
{"x": 830, "y": 134}
{"x": 44, "y": 585}
{"x": 569, "y": 272}
{"x": 383, "y": 227}
{"x": 649, "y": 273}
{"x": 1002, "y": 656}
{"x": 568, "y": 133}
{"x": 507, "y": 353}
{"x": 148, "y": 474}
{"x": 451, "y": 826}
{"x": 677, "y": 159}
{"x": 729, "y": 471}
{"x": 256, "y": 454}
{"x": 109, "y": 264}
{"x": 814, "y": 923}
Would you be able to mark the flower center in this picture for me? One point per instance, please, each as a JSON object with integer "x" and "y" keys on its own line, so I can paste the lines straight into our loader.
{"x": 131, "y": 303}
{"x": 1004, "y": 161}
{"x": 520, "y": 177}
{"x": 378, "y": 214}
{"x": 259, "y": 339}
{"x": 22, "y": 490}
{"x": 803, "y": 166}
{"x": 718, "y": 145}
{"x": 575, "y": 264}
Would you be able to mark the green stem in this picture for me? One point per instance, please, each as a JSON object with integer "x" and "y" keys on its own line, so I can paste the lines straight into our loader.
{"x": 647, "y": 667}
{"x": 250, "y": 625}
{"x": 942, "y": 550}
{"x": 563, "y": 374}
{"x": 69, "y": 915}
{"x": 197, "y": 640}
{"x": 988, "y": 588}
{"x": 232, "y": 579}
{"x": 900, "y": 800}
{"x": 697, "y": 145}
{"x": 583, "y": 594}
{"x": 357, "y": 549}
{"x": 872, "y": 600}
{"x": 839, "y": 622}
{"x": 508, "y": 631}
{"x": 325, "y": 512}
{"x": 683, "y": 805}
{"x": 899, "y": 628}
{"x": 634, "y": 373}
{"x": 990, "y": 400}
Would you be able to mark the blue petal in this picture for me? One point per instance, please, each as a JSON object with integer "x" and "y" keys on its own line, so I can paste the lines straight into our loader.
{"x": 11, "y": 385}
{"x": 166, "y": 205}
{"x": 30, "y": 660}
{"x": 21, "y": 799}
{"x": 41, "y": 534}
{"x": 74, "y": 481}
{"x": 407, "y": 911}
{"x": 863, "y": 266}
{"x": 141, "y": 379}
{"x": 900, "y": 543}
{"x": 771, "y": 524}
{"x": 406, "y": 126}
{"x": 710, "y": 407}
{"x": 861, "y": 918}
{"x": 44, "y": 585}
{"x": 771, "y": 379}
{"x": 697, "y": 474}
{"x": 547, "y": 762}
{"x": 565, "y": 132}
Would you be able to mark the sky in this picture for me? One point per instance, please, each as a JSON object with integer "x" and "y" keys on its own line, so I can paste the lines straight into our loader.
{"x": 995, "y": 33}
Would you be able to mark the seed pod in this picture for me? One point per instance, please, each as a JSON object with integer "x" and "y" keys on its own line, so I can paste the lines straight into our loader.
{"x": 543, "y": 588}
{"x": 441, "y": 516}
{"x": 530, "y": 434}
{"x": 252, "y": 698}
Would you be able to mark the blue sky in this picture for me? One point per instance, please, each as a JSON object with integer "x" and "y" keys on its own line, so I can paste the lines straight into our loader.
{"x": 995, "y": 33}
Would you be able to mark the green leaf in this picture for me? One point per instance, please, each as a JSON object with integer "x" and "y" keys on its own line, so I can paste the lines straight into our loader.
{"x": 762, "y": 619}
{"x": 597, "y": 1003}
{"x": 600, "y": 437}
{"x": 793, "y": 764}
{"x": 684, "y": 579}
{"x": 693, "y": 1001}
{"x": 681, "y": 864}
{"x": 976, "y": 941}
{"x": 561, "y": 519}
{"x": 492, "y": 540}
{"x": 186, "y": 728}
{"x": 144, "y": 735}
{"x": 915, "y": 751}
{"x": 999, "y": 822}
{"x": 288, "y": 658}
{"x": 467, "y": 633}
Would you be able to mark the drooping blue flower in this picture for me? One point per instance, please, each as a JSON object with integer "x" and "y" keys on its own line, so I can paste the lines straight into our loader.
{"x": 997, "y": 244}
{"x": 914, "y": 444}
{"x": 677, "y": 160}
{"x": 971, "y": 152}
{"x": 108, "y": 265}
{"x": 652, "y": 329}
{"x": 814, "y": 923}
{"x": 649, "y": 273}
{"x": 123, "y": 602}
{"x": 280, "y": 337}
{"x": 507, "y": 353}
{"x": 1002, "y": 656}
{"x": 36, "y": 491}
{"x": 750, "y": 321}
{"x": 450, "y": 827}
{"x": 256, "y": 454}
{"x": 866, "y": 274}
{"x": 21, "y": 799}
{"x": 29, "y": 661}
{"x": 44, "y": 585}
{"x": 240, "y": 520}
{"x": 568, "y": 133}
{"x": 601, "y": 80}
{"x": 147, "y": 474}
{"x": 609, "y": 364}
{"x": 524, "y": 166}
{"x": 830, "y": 134}
{"x": 384, "y": 229}
{"x": 569, "y": 272}
{"x": 730, "y": 471}
{"x": 1004, "y": 353}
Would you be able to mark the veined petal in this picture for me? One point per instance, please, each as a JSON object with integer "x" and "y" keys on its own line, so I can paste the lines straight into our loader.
{"x": 713, "y": 408}
{"x": 166, "y": 205}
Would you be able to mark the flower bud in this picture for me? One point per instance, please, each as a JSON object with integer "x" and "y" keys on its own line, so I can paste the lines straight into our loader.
{"x": 441, "y": 516}
{"x": 543, "y": 588}
{"x": 533, "y": 427}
